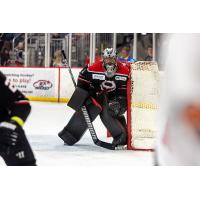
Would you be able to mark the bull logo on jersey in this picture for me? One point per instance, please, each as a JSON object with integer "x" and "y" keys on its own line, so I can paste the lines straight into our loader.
{"x": 108, "y": 86}
{"x": 42, "y": 85}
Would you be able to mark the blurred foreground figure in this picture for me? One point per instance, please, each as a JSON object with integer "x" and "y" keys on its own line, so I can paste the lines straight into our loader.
{"x": 179, "y": 139}
{"x": 14, "y": 110}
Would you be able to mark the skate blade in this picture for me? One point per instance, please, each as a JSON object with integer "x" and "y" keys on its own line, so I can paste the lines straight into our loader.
{"x": 121, "y": 147}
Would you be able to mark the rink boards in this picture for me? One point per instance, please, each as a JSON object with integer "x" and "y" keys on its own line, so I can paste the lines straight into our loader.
{"x": 42, "y": 84}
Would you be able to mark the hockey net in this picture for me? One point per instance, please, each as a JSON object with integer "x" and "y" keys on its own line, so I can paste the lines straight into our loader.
{"x": 143, "y": 96}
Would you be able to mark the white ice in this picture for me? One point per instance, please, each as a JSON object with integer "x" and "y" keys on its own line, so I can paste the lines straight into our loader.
{"x": 42, "y": 128}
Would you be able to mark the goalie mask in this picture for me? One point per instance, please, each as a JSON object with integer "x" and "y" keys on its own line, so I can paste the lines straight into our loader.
{"x": 109, "y": 61}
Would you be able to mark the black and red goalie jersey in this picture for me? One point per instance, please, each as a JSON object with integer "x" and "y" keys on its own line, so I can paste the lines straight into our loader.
{"x": 95, "y": 80}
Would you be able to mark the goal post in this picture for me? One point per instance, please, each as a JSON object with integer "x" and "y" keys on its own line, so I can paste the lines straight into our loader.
{"x": 143, "y": 93}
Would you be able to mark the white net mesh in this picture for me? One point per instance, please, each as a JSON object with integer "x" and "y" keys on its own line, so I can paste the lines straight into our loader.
{"x": 144, "y": 103}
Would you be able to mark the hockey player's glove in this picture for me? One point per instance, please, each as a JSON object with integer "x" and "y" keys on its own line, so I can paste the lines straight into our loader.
{"x": 8, "y": 134}
{"x": 117, "y": 106}
{"x": 114, "y": 108}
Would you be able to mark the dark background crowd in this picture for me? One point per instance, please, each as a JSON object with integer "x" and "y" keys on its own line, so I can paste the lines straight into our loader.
{"x": 13, "y": 51}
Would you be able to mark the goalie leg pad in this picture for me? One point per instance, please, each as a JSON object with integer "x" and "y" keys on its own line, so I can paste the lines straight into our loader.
{"x": 21, "y": 154}
{"x": 77, "y": 126}
{"x": 68, "y": 137}
{"x": 122, "y": 120}
{"x": 78, "y": 99}
{"x": 115, "y": 126}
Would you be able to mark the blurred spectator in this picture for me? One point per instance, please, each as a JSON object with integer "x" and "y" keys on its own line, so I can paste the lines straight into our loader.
{"x": 13, "y": 53}
{"x": 149, "y": 51}
{"x": 55, "y": 35}
{"x": 19, "y": 54}
{"x": 58, "y": 42}
{"x": 57, "y": 61}
{"x": 124, "y": 39}
{"x": 87, "y": 60}
{"x": 5, "y": 57}
{"x": 1, "y": 41}
{"x": 144, "y": 40}
{"x": 104, "y": 40}
{"x": 40, "y": 56}
{"x": 19, "y": 37}
{"x": 4, "y": 53}
{"x": 124, "y": 55}
{"x": 12, "y": 49}
{"x": 97, "y": 57}
{"x": 58, "y": 35}
{"x": 80, "y": 48}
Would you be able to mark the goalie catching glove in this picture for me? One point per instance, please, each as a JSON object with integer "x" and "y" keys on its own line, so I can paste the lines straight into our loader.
{"x": 117, "y": 106}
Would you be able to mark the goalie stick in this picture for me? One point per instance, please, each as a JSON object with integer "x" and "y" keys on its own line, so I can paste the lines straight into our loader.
{"x": 87, "y": 117}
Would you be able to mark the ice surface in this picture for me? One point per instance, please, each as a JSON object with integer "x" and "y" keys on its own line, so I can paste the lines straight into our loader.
{"x": 42, "y": 127}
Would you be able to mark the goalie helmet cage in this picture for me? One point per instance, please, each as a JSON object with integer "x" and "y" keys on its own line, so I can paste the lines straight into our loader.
{"x": 143, "y": 93}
